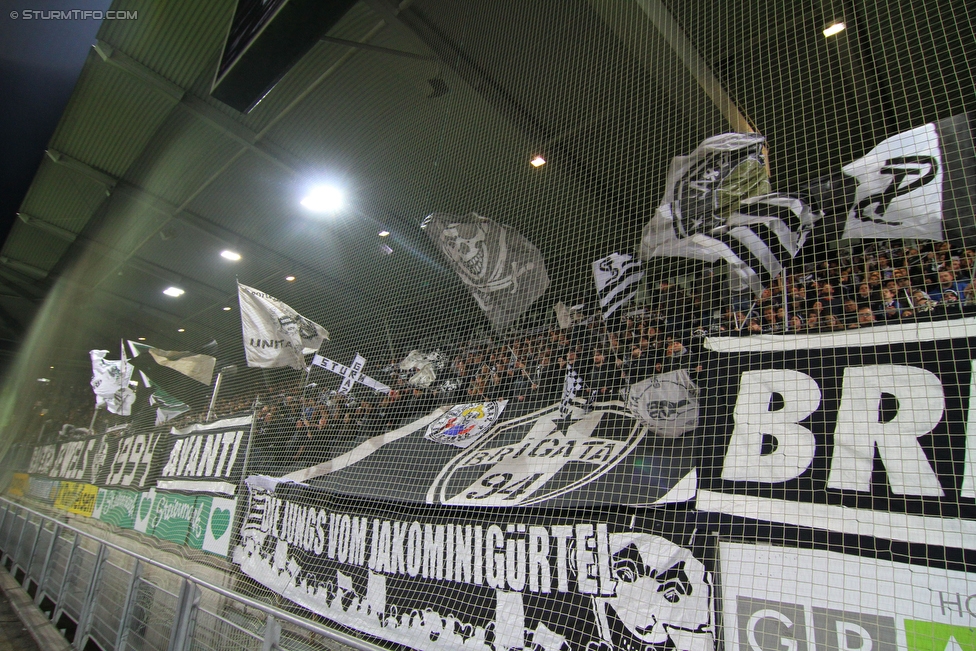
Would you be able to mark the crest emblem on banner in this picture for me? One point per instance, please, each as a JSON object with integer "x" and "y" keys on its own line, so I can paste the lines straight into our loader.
{"x": 531, "y": 459}
{"x": 463, "y": 425}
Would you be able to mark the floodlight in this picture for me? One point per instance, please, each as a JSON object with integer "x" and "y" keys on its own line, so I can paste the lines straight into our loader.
{"x": 233, "y": 256}
{"x": 323, "y": 199}
{"x": 833, "y": 28}
{"x": 173, "y": 291}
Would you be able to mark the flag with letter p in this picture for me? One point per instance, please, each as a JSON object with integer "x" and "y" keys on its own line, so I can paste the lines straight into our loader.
{"x": 917, "y": 184}
{"x": 617, "y": 278}
{"x": 274, "y": 333}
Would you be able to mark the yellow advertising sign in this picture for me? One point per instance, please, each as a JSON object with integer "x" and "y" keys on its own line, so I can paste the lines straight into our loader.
{"x": 19, "y": 484}
{"x": 76, "y": 498}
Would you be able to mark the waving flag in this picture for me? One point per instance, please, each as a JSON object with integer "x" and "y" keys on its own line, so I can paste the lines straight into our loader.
{"x": 110, "y": 382}
{"x": 504, "y": 272}
{"x": 917, "y": 184}
{"x": 274, "y": 333}
{"x": 617, "y": 278}
{"x": 717, "y": 207}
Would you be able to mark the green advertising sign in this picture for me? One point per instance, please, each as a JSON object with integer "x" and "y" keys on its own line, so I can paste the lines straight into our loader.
{"x": 930, "y": 636}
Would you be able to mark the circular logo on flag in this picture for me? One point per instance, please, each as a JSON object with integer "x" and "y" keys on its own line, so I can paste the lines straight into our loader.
{"x": 539, "y": 456}
{"x": 464, "y": 424}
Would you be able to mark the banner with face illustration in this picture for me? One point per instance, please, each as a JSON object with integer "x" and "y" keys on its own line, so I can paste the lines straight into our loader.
{"x": 504, "y": 272}
{"x": 499, "y": 580}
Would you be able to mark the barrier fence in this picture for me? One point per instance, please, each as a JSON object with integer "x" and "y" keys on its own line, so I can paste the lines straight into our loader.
{"x": 102, "y": 595}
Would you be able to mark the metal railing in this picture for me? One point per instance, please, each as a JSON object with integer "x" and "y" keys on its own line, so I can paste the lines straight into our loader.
{"x": 102, "y": 595}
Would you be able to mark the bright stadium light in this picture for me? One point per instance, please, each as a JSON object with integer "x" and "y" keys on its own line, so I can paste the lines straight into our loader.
{"x": 290, "y": 279}
{"x": 173, "y": 291}
{"x": 324, "y": 199}
{"x": 227, "y": 309}
{"x": 834, "y": 28}
{"x": 233, "y": 256}
{"x": 538, "y": 161}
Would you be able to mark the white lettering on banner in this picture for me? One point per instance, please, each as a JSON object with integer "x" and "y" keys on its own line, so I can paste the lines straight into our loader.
{"x": 656, "y": 589}
{"x": 969, "y": 475}
{"x": 859, "y": 429}
{"x": 132, "y": 459}
{"x": 204, "y": 455}
{"x": 506, "y": 557}
{"x": 71, "y": 461}
{"x": 915, "y": 396}
{"x": 42, "y": 459}
{"x": 520, "y": 472}
{"x": 753, "y": 419}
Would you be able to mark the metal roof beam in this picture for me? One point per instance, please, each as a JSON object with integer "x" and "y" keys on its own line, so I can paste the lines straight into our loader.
{"x": 242, "y": 135}
{"x": 23, "y": 267}
{"x": 84, "y": 169}
{"x": 47, "y": 227}
{"x": 171, "y": 276}
{"x": 375, "y": 48}
{"x": 669, "y": 28}
{"x": 122, "y": 61}
{"x": 197, "y": 107}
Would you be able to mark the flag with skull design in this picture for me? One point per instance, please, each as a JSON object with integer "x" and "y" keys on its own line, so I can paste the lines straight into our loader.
{"x": 504, "y": 272}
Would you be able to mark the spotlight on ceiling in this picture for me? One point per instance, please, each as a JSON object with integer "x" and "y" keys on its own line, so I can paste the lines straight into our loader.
{"x": 43, "y": 380}
{"x": 324, "y": 199}
{"x": 290, "y": 279}
{"x": 538, "y": 161}
{"x": 227, "y": 309}
{"x": 233, "y": 256}
{"x": 173, "y": 291}
{"x": 142, "y": 338}
{"x": 834, "y": 28}
{"x": 181, "y": 329}
{"x": 384, "y": 233}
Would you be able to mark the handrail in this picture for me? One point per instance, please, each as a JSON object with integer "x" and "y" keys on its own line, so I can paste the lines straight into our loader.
{"x": 272, "y": 611}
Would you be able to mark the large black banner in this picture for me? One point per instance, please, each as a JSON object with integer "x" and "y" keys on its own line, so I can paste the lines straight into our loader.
{"x": 838, "y": 474}
{"x": 200, "y": 458}
{"x": 496, "y": 578}
{"x": 207, "y": 457}
{"x": 863, "y": 433}
{"x": 828, "y": 496}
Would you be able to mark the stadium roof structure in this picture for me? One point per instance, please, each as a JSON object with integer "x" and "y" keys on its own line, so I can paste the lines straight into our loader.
{"x": 430, "y": 105}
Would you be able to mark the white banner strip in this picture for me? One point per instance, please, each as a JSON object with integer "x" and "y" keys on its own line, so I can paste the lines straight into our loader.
{"x": 241, "y": 421}
{"x": 941, "y": 532}
{"x": 196, "y": 486}
{"x": 365, "y": 449}
{"x": 872, "y": 336}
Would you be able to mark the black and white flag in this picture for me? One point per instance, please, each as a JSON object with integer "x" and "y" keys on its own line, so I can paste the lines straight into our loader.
{"x": 504, "y": 272}
{"x": 917, "y": 184}
{"x": 274, "y": 333}
{"x": 617, "y": 278}
{"x": 667, "y": 403}
{"x": 765, "y": 232}
{"x": 717, "y": 207}
{"x": 571, "y": 386}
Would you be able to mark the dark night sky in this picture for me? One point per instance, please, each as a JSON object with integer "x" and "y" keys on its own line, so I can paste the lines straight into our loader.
{"x": 39, "y": 64}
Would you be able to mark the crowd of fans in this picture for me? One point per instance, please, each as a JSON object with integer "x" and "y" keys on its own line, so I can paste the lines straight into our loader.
{"x": 883, "y": 283}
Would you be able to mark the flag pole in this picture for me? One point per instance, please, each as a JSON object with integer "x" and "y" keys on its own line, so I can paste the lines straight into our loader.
{"x": 308, "y": 370}
{"x": 213, "y": 398}
{"x": 91, "y": 425}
